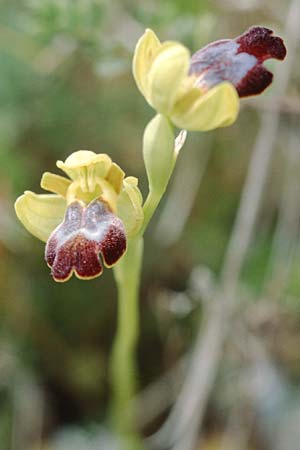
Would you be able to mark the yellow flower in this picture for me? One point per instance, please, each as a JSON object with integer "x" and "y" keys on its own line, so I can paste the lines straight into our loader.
{"x": 93, "y": 211}
{"x": 202, "y": 92}
{"x": 161, "y": 72}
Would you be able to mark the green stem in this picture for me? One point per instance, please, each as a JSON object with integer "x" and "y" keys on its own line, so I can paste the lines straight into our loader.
{"x": 158, "y": 135}
{"x": 152, "y": 201}
{"x": 150, "y": 205}
{"x": 123, "y": 369}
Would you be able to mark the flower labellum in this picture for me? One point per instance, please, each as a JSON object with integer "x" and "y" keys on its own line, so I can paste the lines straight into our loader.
{"x": 86, "y": 231}
{"x": 239, "y": 61}
{"x": 91, "y": 213}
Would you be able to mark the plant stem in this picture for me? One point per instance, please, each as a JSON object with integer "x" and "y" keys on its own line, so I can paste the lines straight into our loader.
{"x": 123, "y": 368}
{"x": 158, "y": 133}
{"x": 150, "y": 205}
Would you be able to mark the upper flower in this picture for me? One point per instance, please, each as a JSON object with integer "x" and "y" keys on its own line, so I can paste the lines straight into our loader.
{"x": 94, "y": 211}
{"x": 201, "y": 92}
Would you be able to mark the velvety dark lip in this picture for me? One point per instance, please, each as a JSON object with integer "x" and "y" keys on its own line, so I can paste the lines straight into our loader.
{"x": 239, "y": 61}
{"x": 76, "y": 244}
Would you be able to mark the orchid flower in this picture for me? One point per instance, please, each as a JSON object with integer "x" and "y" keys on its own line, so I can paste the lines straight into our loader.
{"x": 92, "y": 212}
{"x": 201, "y": 92}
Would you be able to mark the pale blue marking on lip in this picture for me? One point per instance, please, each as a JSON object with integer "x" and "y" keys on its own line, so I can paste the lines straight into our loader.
{"x": 220, "y": 61}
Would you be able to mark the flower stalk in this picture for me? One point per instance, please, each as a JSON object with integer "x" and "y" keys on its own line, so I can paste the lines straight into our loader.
{"x": 123, "y": 366}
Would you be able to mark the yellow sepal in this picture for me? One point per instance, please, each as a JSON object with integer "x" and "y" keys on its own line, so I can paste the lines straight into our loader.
{"x": 144, "y": 54}
{"x": 167, "y": 72}
{"x": 218, "y": 107}
{"x": 40, "y": 214}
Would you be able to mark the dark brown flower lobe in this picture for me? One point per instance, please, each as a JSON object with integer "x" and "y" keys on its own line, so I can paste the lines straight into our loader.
{"x": 239, "y": 61}
{"x": 87, "y": 231}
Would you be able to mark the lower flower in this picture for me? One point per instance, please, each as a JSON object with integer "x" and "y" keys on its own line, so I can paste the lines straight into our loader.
{"x": 91, "y": 214}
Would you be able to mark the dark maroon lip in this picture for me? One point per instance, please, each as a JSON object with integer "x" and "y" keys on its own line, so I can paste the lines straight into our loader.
{"x": 239, "y": 61}
{"x": 260, "y": 42}
{"x": 86, "y": 233}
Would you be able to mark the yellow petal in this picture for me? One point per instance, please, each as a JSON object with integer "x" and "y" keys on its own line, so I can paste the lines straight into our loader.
{"x": 115, "y": 177}
{"x": 55, "y": 183}
{"x": 40, "y": 214}
{"x": 129, "y": 206}
{"x": 169, "y": 69}
{"x": 218, "y": 107}
{"x": 144, "y": 54}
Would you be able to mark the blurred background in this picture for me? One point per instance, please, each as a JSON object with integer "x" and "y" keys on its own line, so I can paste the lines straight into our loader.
{"x": 228, "y": 228}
